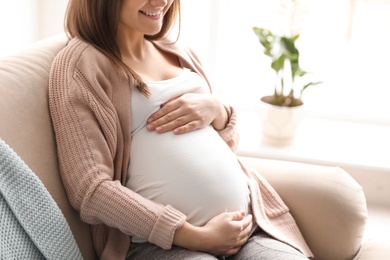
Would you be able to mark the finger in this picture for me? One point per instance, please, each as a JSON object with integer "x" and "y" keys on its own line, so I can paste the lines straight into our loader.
{"x": 178, "y": 125}
{"x": 248, "y": 220}
{"x": 247, "y": 223}
{"x": 165, "y": 109}
{"x": 232, "y": 251}
{"x": 169, "y": 121}
{"x": 187, "y": 127}
{"x": 237, "y": 215}
{"x": 246, "y": 232}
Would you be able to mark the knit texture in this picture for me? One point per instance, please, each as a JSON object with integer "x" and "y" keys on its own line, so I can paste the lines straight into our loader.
{"x": 31, "y": 224}
{"x": 90, "y": 110}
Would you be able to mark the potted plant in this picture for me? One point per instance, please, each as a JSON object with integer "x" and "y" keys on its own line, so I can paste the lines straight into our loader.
{"x": 285, "y": 62}
{"x": 283, "y": 110}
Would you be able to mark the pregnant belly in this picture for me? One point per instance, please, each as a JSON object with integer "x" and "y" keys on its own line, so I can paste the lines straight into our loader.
{"x": 196, "y": 173}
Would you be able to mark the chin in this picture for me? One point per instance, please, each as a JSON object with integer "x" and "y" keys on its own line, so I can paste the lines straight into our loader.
{"x": 153, "y": 31}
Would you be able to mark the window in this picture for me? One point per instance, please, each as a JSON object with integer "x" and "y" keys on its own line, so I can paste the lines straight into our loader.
{"x": 343, "y": 42}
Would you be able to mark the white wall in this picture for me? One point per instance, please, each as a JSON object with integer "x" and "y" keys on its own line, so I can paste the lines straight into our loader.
{"x": 51, "y": 17}
{"x": 25, "y": 21}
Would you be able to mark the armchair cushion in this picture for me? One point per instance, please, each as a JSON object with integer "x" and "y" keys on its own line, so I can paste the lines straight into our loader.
{"x": 328, "y": 205}
{"x": 374, "y": 249}
{"x": 25, "y": 124}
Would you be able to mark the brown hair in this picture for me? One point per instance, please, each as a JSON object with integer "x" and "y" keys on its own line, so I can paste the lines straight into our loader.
{"x": 96, "y": 22}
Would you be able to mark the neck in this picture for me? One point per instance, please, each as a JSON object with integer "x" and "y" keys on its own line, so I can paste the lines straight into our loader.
{"x": 132, "y": 45}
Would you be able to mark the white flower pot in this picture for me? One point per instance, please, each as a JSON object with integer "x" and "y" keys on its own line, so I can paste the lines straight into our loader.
{"x": 279, "y": 124}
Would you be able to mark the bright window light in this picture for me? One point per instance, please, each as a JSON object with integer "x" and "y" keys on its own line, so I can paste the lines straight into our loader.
{"x": 344, "y": 43}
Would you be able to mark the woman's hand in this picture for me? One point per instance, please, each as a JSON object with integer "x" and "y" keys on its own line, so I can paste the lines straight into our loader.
{"x": 223, "y": 235}
{"x": 187, "y": 113}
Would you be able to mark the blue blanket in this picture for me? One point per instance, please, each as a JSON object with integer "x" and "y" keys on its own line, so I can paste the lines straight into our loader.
{"x": 31, "y": 224}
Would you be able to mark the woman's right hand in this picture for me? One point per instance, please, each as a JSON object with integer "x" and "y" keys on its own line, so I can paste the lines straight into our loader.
{"x": 223, "y": 235}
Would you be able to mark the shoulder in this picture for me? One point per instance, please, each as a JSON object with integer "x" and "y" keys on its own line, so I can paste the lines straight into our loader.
{"x": 81, "y": 64}
{"x": 81, "y": 55}
{"x": 82, "y": 73}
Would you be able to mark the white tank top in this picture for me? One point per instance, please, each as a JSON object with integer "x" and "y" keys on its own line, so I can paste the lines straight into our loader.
{"x": 196, "y": 172}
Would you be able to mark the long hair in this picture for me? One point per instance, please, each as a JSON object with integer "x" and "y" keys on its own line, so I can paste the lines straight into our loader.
{"x": 96, "y": 22}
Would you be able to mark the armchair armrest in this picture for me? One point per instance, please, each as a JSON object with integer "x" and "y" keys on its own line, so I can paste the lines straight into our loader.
{"x": 328, "y": 205}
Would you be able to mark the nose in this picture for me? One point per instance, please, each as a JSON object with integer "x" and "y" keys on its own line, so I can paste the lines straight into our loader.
{"x": 158, "y": 2}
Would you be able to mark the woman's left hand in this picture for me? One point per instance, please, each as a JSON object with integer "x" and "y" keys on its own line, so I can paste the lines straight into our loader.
{"x": 187, "y": 113}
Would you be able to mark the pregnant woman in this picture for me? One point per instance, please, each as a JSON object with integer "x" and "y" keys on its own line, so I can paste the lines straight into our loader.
{"x": 146, "y": 151}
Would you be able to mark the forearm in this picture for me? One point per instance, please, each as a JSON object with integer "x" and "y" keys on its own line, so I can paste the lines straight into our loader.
{"x": 188, "y": 236}
{"x": 222, "y": 235}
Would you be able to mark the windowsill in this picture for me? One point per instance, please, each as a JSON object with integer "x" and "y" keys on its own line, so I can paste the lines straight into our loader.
{"x": 361, "y": 149}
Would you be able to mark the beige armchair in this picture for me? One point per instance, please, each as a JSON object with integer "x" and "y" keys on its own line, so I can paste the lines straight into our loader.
{"x": 329, "y": 206}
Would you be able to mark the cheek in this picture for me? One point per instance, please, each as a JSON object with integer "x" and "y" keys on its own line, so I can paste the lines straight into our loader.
{"x": 128, "y": 17}
{"x": 128, "y": 10}
{"x": 169, "y": 4}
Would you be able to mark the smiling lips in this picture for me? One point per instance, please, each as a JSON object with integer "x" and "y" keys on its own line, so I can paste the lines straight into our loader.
{"x": 152, "y": 14}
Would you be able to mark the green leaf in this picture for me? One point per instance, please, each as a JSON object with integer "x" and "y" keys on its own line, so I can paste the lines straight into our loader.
{"x": 282, "y": 47}
{"x": 278, "y": 63}
{"x": 310, "y": 84}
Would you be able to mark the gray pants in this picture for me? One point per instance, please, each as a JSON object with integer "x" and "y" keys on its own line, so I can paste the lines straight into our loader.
{"x": 259, "y": 246}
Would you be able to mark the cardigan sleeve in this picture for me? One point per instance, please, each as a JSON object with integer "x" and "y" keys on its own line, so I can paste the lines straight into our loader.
{"x": 86, "y": 128}
{"x": 230, "y": 133}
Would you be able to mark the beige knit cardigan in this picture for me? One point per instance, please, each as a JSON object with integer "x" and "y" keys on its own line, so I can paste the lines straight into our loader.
{"x": 90, "y": 109}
